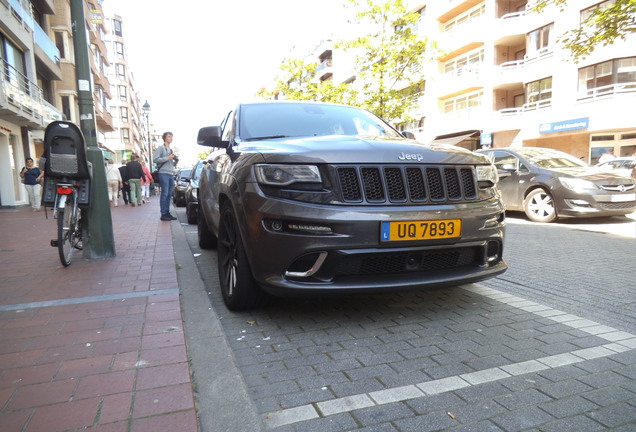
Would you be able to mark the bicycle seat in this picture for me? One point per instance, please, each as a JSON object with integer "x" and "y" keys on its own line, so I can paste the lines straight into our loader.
{"x": 65, "y": 151}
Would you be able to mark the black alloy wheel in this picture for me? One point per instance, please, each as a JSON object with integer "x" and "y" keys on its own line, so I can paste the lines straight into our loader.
{"x": 238, "y": 287}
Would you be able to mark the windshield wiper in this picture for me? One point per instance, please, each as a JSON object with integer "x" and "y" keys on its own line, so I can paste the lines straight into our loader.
{"x": 266, "y": 137}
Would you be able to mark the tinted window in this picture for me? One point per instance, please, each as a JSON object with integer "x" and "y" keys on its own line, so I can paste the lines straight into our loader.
{"x": 258, "y": 121}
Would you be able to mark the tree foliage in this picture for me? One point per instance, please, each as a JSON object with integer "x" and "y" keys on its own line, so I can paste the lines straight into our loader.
{"x": 387, "y": 67}
{"x": 609, "y": 21}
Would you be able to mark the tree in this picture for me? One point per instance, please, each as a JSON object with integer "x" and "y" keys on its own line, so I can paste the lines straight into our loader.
{"x": 388, "y": 65}
{"x": 389, "y": 58}
{"x": 611, "y": 20}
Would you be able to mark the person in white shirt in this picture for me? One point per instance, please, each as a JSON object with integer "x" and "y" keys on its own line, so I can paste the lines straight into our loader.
{"x": 608, "y": 155}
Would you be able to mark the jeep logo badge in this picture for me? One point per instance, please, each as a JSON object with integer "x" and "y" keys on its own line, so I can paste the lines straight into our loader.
{"x": 413, "y": 157}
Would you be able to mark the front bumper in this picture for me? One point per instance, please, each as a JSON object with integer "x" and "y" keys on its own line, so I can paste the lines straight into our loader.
{"x": 297, "y": 248}
{"x": 598, "y": 205}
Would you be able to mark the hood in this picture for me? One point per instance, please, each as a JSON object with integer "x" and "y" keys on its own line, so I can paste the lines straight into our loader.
{"x": 590, "y": 174}
{"x": 336, "y": 149}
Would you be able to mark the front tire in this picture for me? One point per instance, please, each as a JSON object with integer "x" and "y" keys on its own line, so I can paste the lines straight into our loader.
{"x": 191, "y": 214}
{"x": 207, "y": 240}
{"x": 539, "y": 206}
{"x": 238, "y": 287}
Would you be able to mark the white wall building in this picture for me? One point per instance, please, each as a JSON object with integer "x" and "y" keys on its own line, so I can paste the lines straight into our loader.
{"x": 505, "y": 80}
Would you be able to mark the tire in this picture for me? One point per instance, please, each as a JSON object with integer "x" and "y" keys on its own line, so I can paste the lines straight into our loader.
{"x": 539, "y": 206}
{"x": 191, "y": 214}
{"x": 238, "y": 287}
{"x": 69, "y": 230}
{"x": 207, "y": 240}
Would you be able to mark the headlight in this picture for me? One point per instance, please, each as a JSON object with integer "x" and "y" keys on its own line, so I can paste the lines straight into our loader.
{"x": 578, "y": 185}
{"x": 487, "y": 173}
{"x": 283, "y": 175}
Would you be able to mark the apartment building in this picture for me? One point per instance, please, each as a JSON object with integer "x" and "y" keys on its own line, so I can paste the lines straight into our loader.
{"x": 130, "y": 134}
{"x": 39, "y": 85}
{"x": 30, "y": 67}
{"x": 504, "y": 80}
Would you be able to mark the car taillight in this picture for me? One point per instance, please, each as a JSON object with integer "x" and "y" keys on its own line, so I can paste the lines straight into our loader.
{"x": 64, "y": 190}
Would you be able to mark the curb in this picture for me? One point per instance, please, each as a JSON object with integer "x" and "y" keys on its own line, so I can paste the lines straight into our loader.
{"x": 221, "y": 396}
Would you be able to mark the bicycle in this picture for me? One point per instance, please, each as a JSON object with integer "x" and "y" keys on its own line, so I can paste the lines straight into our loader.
{"x": 69, "y": 221}
{"x": 67, "y": 185}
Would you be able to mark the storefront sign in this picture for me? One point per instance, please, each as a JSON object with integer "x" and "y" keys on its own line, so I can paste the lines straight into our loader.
{"x": 567, "y": 125}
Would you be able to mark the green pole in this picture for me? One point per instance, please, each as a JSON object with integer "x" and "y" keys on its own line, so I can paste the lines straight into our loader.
{"x": 98, "y": 225}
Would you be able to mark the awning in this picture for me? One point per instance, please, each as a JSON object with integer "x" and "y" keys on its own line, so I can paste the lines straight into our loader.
{"x": 455, "y": 138}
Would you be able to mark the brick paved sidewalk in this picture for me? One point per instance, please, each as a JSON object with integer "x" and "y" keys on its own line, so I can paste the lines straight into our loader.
{"x": 99, "y": 344}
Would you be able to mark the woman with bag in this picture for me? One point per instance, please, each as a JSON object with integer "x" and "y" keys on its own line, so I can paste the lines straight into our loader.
{"x": 31, "y": 177}
{"x": 145, "y": 183}
{"x": 113, "y": 180}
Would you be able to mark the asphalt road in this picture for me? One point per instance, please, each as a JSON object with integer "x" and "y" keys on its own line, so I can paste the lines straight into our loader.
{"x": 549, "y": 345}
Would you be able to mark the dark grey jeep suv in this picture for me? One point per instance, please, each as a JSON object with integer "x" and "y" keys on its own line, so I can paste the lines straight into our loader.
{"x": 305, "y": 197}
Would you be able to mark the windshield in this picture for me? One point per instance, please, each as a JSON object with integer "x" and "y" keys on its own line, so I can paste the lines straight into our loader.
{"x": 551, "y": 159}
{"x": 281, "y": 120}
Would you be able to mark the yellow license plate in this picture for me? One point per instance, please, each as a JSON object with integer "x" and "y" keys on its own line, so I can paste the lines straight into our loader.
{"x": 421, "y": 230}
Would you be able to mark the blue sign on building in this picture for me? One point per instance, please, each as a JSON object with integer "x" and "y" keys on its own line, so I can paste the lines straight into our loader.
{"x": 566, "y": 125}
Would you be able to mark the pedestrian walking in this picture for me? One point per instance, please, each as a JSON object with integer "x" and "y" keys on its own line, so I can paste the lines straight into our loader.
{"x": 113, "y": 181}
{"x": 125, "y": 188}
{"x": 165, "y": 160}
{"x": 145, "y": 184}
{"x": 31, "y": 177}
{"x": 135, "y": 176}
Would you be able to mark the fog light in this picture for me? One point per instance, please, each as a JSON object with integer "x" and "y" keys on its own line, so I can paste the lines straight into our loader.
{"x": 277, "y": 225}
{"x": 493, "y": 252}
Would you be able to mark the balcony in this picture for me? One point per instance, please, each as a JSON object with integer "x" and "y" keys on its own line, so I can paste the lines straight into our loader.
{"x": 21, "y": 100}
{"x": 324, "y": 70}
{"x": 607, "y": 91}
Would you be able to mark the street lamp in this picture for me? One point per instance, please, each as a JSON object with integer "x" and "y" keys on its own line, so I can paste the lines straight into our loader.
{"x": 146, "y": 109}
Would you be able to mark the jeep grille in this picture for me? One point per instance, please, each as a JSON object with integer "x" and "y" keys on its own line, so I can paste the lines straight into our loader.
{"x": 406, "y": 184}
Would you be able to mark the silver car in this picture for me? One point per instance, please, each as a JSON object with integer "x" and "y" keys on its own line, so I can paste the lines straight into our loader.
{"x": 547, "y": 184}
{"x": 309, "y": 198}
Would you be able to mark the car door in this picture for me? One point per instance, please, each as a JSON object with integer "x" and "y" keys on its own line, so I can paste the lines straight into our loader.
{"x": 512, "y": 175}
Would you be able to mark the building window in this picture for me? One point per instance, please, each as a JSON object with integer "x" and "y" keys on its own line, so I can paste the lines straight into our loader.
{"x": 539, "y": 93}
{"x": 117, "y": 28}
{"x": 123, "y": 92}
{"x": 465, "y": 17}
{"x": 123, "y": 112}
{"x": 538, "y": 41}
{"x": 119, "y": 49}
{"x": 460, "y": 65}
{"x": 607, "y": 77}
{"x": 66, "y": 108}
{"x": 587, "y": 13}
{"x": 121, "y": 71}
{"x": 463, "y": 103}
{"x": 125, "y": 135}
{"x": 62, "y": 44}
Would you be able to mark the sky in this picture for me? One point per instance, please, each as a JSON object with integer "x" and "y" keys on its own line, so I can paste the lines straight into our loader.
{"x": 195, "y": 60}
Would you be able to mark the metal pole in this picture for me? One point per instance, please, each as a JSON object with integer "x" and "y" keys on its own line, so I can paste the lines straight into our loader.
{"x": 98, "y": 225}
{"x": 149, "y": 143}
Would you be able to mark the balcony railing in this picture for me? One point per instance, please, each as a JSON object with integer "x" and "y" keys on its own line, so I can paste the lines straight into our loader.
{"x": 528, "y": 107}
{"x": 23, "y": 97}
{"x": 608, "y": 90}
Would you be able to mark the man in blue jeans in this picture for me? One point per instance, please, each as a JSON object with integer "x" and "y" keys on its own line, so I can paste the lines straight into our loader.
{"x": 166, "y": 161}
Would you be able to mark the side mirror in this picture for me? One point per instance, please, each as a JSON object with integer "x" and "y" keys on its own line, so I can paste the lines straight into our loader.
{"x": 210, "y": 136}
{"x": 409, "y": 135}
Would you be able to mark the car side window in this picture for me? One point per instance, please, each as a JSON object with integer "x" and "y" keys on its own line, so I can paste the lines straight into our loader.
{"x": 504, "y": 161}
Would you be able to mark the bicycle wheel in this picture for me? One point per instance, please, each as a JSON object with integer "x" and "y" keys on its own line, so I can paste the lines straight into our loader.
{"x": 69, "y": 233}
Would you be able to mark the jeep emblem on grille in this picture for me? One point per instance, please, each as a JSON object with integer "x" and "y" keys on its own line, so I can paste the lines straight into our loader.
{"x": 413, "y": 156}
